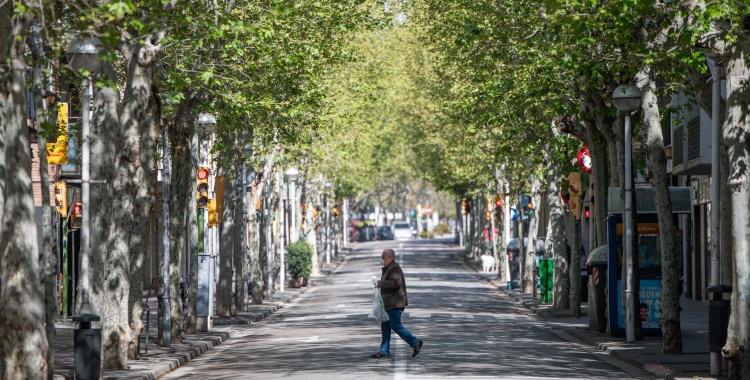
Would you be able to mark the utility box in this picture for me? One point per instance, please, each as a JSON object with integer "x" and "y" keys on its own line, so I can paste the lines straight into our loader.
{"x": 204, "y": 301}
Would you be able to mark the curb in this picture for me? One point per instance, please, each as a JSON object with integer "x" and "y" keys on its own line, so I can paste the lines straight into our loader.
{"x": 271, "y": 306}
{"x": 656, "y": 369}
{"x": 145, "y": 369}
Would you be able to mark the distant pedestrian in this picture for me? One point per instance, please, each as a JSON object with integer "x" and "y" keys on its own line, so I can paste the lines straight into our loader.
{"x": 393, "y": 289}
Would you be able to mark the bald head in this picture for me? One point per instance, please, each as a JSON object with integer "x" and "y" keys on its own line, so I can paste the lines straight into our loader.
{"x": 388, "y": 255}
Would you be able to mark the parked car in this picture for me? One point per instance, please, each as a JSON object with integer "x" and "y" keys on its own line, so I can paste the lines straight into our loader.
{"x": 385, "y": 233}
{"x": 401, "y": 231}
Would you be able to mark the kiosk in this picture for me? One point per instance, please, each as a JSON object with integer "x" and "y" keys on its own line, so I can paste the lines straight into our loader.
{"x": 648, "y": 251}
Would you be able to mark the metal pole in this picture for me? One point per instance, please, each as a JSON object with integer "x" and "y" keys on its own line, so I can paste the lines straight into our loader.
{"x": 243, "y": 293}
{"x": 715, "y": 195}
{"x": 85, "y": 193}
{"x": 267, "y": 228}
{"x": 282, "y": 231}
{"x": 166, "y": 298}
{"x": 576, "y": 264}
{"x": 293, "y": 233}
{"x": 344, "y": 217}
{"x": 328, "y": 229}
{"x": 629, "y": 291}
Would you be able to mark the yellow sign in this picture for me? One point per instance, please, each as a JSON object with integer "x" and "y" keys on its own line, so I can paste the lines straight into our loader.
{"x": 57, "y": 152}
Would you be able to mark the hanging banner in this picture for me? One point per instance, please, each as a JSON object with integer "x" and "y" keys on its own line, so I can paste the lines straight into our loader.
{"x": 57, "y": 152}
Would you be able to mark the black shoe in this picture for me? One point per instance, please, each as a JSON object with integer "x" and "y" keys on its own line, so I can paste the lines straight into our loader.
{"x": 417, "y": 348}
{"x": 379, "y": 356}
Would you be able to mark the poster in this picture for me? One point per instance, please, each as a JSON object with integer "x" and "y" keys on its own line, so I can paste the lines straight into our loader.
{"x": 648, "y": 309}
{"x": 643, "y": 256}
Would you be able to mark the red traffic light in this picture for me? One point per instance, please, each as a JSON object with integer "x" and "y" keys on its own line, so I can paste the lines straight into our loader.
{"x": 202, "y": 173}
{"x": 587, "y": 214}
{"x": 499, "y": 203}
{"x": 77, "y": 209}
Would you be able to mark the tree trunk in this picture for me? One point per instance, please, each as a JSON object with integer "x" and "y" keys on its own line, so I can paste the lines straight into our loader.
{"x": 657, "y": 165}
{"x": 193, "y": 239}
{"x": 23, "y": 344}
{"x": 179, "y": 203}
{"x": 49, "y": 261}
{"x": 254, "y": 225}
{"x": 528, "y": 285}
{"x": 144, "y": 201}
{"x": 556, "y": 238}
{"x": 240, "y": 251}
{"x": 224, "y": 294}
{"x": 736, "y": 130}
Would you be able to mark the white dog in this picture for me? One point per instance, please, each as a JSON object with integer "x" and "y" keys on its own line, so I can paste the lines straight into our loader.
{"x": 488, "y": 263}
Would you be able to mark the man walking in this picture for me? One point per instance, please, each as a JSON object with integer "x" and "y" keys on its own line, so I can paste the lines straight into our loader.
{"x": 393, "y": 290}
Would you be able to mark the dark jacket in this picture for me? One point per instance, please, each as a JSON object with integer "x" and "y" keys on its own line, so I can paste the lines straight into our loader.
{"x": 393, "y": 287}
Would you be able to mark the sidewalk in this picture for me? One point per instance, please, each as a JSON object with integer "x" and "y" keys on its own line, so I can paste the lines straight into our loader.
{"x": 693, "y": 363}
{"x": 161, "y": 360}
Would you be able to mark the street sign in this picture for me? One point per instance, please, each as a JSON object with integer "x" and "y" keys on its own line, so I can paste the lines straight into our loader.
{"x": 584, "y": 159}
{"x": 513, "y": 214}
{"x": 427, "y": 210}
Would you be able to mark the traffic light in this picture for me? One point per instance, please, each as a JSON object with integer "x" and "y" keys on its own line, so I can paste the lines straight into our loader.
{"x": 212, "y": 218}
{"x": 499, "y": 200}
{"x": 488, "y": 211}
{"x": 335, "y": 211}
{"x": 587, "y": 214}
{"x": 76, "y": 217}
{"x": 316, "y": 215}
{"x": 202, "y": 187}
{"x": 574, "y": 181}
{"x": 592, "y": 191}
{"x": 61, "y": 198}
{"x": 464, "y": 206}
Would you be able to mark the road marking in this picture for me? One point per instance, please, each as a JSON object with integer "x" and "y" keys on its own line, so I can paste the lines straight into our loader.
{"x": 294, "y": 319}
{"x": 364, "y": 280}
{"x": 466, "y": 316}
{"x": 313, "y": 339}
{"x": 400, "y": 365}
{"x": 337, "y": 316}
{"x": 504, "y": 317}
{"x": 337, "y": 306}
{"x": 415, "y": 315}
{"x": 339, "y": 282}
{"x": 458, "y": 304}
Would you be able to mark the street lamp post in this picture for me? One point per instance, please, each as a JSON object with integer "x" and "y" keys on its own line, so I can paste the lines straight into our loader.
{"x": 328, "y": 222}
{"x": 83, "y": 55}
{"x": 247, "y": 153}
{"x": 291, "y": 176}
{"x": 627, "y": 98}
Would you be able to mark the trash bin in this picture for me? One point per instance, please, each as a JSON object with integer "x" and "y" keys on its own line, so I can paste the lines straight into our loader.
{"x": 596, "y": 266}
{"x": 514, "y": 263}
{"x": 719, "y": 308}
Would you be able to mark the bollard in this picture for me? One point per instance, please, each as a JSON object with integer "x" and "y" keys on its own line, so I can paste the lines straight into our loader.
{"x": 718, "y": 317}
{"x": 87, "y": 348}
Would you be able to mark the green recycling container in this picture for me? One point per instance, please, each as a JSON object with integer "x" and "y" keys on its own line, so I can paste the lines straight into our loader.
{"x": 545, "y": 280}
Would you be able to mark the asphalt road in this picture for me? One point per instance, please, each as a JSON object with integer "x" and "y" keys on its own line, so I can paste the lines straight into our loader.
{"x": 470, "y": 330}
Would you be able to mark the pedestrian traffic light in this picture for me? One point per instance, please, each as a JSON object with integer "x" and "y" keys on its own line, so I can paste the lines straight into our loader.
{"x": 219, "y": 182}
{"x": 61, "y": 198}
{"x": 587, "y": 214}
{"x": 76, "y": 217}
{"x": 574, "y": 186}
{"x": 213, "y": 218}
{"x": 202, "y": 187}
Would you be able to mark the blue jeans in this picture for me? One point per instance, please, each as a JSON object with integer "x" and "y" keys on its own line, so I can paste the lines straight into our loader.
{"x": 394, "y": 323}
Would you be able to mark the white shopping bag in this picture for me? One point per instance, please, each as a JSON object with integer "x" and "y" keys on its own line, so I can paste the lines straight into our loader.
{"x": 378, "y": 310}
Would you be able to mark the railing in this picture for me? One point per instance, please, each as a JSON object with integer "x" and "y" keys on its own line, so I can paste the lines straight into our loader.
{"x": 694, "y": 139}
